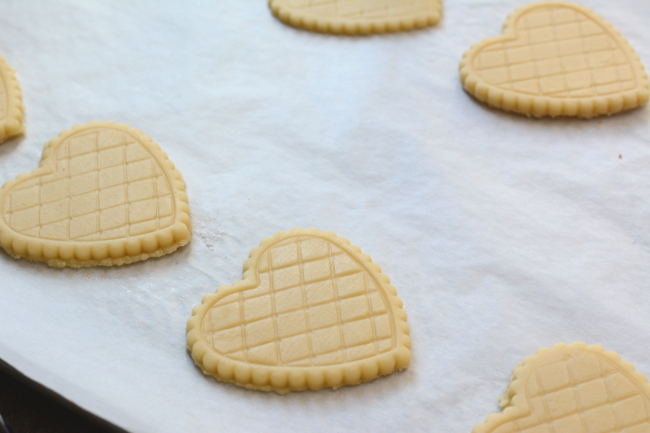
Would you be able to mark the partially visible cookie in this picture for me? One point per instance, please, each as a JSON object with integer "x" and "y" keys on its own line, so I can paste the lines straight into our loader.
{"x": 11, "y": 103}
{"x": 574, "y": 389}
{"x": 104, "y": 194}
{"x": 311, "y": 312}
{"x": 556, "y": 59}
{"x": 357, "y": 16}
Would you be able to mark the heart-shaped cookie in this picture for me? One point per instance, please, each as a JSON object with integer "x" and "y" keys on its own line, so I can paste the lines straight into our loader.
{"x": 573, "y": 389}
{"x": 556, "y": 59}
{"x": 11, "y": 103}
{"x": 311, "y": 312}
{"x": 357, "y": 16}
{"x": 104, "y": 194}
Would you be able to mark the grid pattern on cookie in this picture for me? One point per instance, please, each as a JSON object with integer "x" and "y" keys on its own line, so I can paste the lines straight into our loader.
{"x": 361, "y": 9}
{"x": 315, "y": 306}
{"x": 106, "y": 185}
{"x": 585, "y": 393}
{"x": 558, "y": 52}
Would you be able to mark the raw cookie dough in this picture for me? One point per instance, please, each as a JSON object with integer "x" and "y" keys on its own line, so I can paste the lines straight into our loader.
{"x": 11, "y": 103}
{"x": 311, "y": 312}
{"x": 104, "y": 194}
{"x": 573, "y": 389}
{"x": 556, "y": 59}
{"x": 357, "y": 16}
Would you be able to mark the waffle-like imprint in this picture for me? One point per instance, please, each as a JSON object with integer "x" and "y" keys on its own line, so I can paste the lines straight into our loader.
{"x": 556, "y": 59}
{"x": 311, "y": 312}
{"x": 11, "y": 103}
{"x": 573, "y": 389}
{"x": 104, "y": 194}
{"x": 357, "y": 16}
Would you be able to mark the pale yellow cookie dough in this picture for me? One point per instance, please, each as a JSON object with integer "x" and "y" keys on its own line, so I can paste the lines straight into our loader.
{"x": 311, "y": 312}
{"x": 104, "y": 194}
{"x": 11, "y": 103}
{"x": 357, "y": 16}
{"x": 556, "y": 59}
{"x": 573, "y": 389}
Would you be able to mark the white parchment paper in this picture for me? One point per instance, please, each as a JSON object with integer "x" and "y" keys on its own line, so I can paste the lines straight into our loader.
{"x": 502, "y": 234}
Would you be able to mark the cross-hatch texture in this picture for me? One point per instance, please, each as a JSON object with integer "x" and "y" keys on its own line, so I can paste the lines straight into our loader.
{"x": 106, "y": 185}
{"x": 361, "y": 9}
{"x": 315, "y": 306}
{"x": 587, "y": 393}
{"x": 558, "y": 52}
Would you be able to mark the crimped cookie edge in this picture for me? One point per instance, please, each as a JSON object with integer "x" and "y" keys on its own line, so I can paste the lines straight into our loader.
{"x": 349, "y": 27}
{"x": 12, "y": 125}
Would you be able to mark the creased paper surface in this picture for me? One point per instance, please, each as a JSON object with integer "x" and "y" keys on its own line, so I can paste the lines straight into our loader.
{"x": 502, "y": 234}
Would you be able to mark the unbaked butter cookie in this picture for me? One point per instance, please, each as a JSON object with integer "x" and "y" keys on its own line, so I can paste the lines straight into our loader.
{"x": 11, "y": 103}
{"x": 311, "y": 312}
{"x": 357, "y": 16}
{"x": 104, "y": 194}
{"x": 573, "y": 388}
{"x": 556, "y": 59}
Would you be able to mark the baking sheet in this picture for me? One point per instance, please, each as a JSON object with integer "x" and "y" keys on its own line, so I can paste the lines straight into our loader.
{"x": 502, "y": 234}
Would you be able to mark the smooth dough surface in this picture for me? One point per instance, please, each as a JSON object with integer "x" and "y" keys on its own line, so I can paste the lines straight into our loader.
{"x": 573, "y": 389}
{"x": 11, "y": 103}
{"x": 357, "y": 16}
{"x": 311, "y": 312}
{"x": 556, "y": 59}
{"x": 104, "y": 194}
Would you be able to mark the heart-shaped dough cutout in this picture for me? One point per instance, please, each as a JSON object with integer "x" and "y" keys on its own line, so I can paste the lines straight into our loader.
{"x": 357, "y": 16}
{"x": 104, "y": 194}
{"x": 311, "y": 312}
{"x": 573, "y": 389}
{"x": 556, "y": 59}
{"x": 11, "y": 103}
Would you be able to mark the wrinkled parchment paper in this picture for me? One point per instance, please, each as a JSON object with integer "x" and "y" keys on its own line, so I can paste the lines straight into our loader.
{"x": 502, "y": 234}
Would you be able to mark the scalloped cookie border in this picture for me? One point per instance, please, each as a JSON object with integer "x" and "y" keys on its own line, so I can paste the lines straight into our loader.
{"x": 12, "y": 125}
{"x": 353, "y": 27}
{"x": 540, "y": 106}
{"x": 513, "y": 403}
{"x": 112, "y": 252}
{"x": 283, "y": 379}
